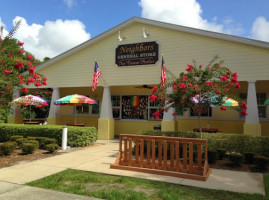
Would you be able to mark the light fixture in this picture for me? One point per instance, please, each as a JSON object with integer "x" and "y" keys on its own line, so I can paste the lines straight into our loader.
{"x": 144, "y": 33}
{"x": 120, "y": 37}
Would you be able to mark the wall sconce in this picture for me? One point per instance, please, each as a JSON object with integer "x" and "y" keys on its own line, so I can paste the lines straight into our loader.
{"x": 144, "y": 33}
{"x": 120, "y": 37}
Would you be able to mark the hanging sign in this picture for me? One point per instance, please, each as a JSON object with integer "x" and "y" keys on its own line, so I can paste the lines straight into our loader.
{"x": 145, "y": 53}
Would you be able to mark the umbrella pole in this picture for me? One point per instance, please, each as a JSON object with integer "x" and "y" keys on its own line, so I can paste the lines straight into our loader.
{"x": 75, "y": 114}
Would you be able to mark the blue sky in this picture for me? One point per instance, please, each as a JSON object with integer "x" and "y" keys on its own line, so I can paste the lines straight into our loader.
{"x": 47, "y": 23}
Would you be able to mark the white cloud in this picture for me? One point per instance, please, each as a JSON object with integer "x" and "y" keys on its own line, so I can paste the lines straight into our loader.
{"x": 69, "y": 3}
{"x": 260, "y": 29}
{"x": 183, "y": 12}
{"x": 52, "y": 38}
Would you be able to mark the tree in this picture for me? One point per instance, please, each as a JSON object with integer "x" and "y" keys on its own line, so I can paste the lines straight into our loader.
{"x": 198, "y": 88}
{"x": 17, "y": 68}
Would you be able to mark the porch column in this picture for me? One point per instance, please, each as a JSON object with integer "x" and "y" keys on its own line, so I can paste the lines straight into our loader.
{"x": 55, "y": 111}
{"x": 168, "y": 122}
{"x": 252, "y": 124}
{"x": 106, "y": 122}
{"x": 15, "y": 116}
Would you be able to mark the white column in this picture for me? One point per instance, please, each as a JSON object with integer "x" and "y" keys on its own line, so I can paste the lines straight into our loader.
{"x": 106, "y": 108}
{"x": 15, "y": 110}
{"x": 55, "y": 111}
{"x": 253, "y": 116}
{"x": 168, "y": 116}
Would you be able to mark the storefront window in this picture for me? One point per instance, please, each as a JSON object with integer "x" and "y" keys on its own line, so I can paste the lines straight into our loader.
{"x": 135, "y": 107}
{"x": 116, "y": 106}
{"x": 95, "y": 108}
{"x": 83, "y": 109}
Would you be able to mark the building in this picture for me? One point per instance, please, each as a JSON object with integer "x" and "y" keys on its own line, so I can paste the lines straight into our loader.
{"x": 129, "y": 56}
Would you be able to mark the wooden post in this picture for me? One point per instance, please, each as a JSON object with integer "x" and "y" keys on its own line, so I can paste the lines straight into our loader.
{"x": 120, "y": 149}
{"x": 141, "y": 152}
{"x": 190, "y": 157}
{"x": 172, "y": 152}
{"x": 199, "y": 159}
{"x": 136, "y": 150}
{"x": 153, "y": 154}
{"x": 177, "y": 156}
{"x": 165, "y": 154}
{"x": 130, "y": 152}
{"x": 148, "y": 152}
{"x": 125, "y": 150}
{"x": 185, "y": 155}
{"x": 160, "y": 152}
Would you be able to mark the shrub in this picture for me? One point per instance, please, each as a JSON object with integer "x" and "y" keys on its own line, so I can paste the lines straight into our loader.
{"x": 50, "y": 141}
{"x": 31, "y": 138}
{"x": 28, "y": 148}
{"x": 15, "y": 137}
{"x": 52, "y": 147}
{"x": 20, "y": 141}
{"x": 260, "y": 163}
{"x": 7, "y": 148}
{"x": 221, "y": 153}
{"x": 35, "y": 142}
{"x": 212, "y": 156}
{"x": 249, "y": 157}
{"x": 77, "y": 136}
{"x": 235, "y": 159}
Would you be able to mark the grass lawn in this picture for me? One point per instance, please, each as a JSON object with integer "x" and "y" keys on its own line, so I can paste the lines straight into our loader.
{"x": 119, "y": 187}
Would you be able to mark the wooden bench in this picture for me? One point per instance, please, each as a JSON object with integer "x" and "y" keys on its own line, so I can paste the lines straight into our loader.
{"x": 77, "y": 124}
{"x": 33, "y": 122}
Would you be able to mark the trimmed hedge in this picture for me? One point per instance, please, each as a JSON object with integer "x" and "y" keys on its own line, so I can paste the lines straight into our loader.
{"x": 228, "y": 142}
{"x": 7, "y": 148}
{"x": 52, "y": 147}
{"x": 28, "y": 148}
{"x": 77, "y": 136}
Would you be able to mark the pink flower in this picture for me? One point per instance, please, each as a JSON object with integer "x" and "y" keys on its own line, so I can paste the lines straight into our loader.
{"x": 157, "y": 114}
{"x": 7, "y": 72}
{"x": 10, "y": 55}
{"x": 189, "y": 69}
{"x": 208, "y": 83}
{"x": 184, "y": 78}
{"x": 189, "y": 84}
{"x": 44, "y": 104}
{"x": 224, "y": 78}
{"x": 223, "y": 108}
{"x": 200, "y": 66}
{"x": 243, "y": 112}
{"x": 182, "y": 86}
{"x": 21, "y": 51}
{"x": 21, "y": 43}
{"x": 154, "y": 89}
{"x": 24, "y": 90}
{"x": 226, "y": 89}
{"x": 44, "y": 82}
{"x": 31, "y": 70}
{"x": 243, "y": 105}
{"x": 30, "y": 57}
{"x": 237, "y": 85}
{"x": 153, "y": 98}
{"x": 47, "y": 79}
{"x": 195, "y": 86}
{"x": 189, "y": 65}
{"x": 208, "y": 69}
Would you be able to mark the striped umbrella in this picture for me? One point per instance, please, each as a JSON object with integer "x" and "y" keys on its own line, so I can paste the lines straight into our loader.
{"x": 30, "y": 100}
{"x": 75, "y": 100}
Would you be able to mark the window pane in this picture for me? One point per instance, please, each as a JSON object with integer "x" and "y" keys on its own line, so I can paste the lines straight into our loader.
{"x": 115, "y": 100}
{"x": 95, "y": 108}
{"x": 153, "y": 110}
{"x": 134, "y": 107}
{"x": 261, "y": 98}
{"x": 84, "y": 109}
{"x": 204, "y": 114}
{"x": 262, "y": 111}
{"x": 116, "y": 112}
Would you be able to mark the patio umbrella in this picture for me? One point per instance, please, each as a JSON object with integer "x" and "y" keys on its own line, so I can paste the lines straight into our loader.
{"x": 75, "y": 100}
{"x": 266, "y": 102}
{"x": 229, "y": 102}
{"x": 30, "y": 100}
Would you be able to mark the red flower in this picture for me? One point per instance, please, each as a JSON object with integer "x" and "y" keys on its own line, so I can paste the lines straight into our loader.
{"x": 47, "y": 79}
{"x": 243, "y": 105}
{"x": 18, "y": 65}
{"x": 200, "y": 66}
{"x": 217, "y": 92}
{"x": 195, "y": 86}
{"x": 38, "y": 106}
{"x": 44, "y": 82}
{"x": 237, "y": 85}
{"x": 44, "y": 104}
{"x": 29, "y": 63}
{"x": 30, "y": 57}
{"x": 20, "y": 77}
{"x": 8, "y": 89}
{"x": 154, "y": 89}
{"x": 243, "y": 112}
{"x": 157, "y": 114}
{"x": 31, "y": 70}
{"x": 14, "y": 95}
{"x": 189, "y": 65}
{"x": 208, "y": 69}
{"x": 184, "y": 78}
{"x": 21, "y": 51}
{"x": 208, "y": 83}
{"x": 37, "y": 84}
{"x": 174, "y": 86}
{"x": 21, "y": 43}
{"x": 224, "y": 78}
{"x": 10, "y": 55}
{"x": 7, "y": 72}
{"x": 24, "y": 90}
{"x": 36, "y": 76}
{"x": 231, "y": 83}
{"x": 153, "y": 98}
{"x": 226, "y": 89}
{"x": 182, "y": 86}
{"x": 189, "y": 69}
{"x": 189, "y": 84}
{"x": 223, "y": 108}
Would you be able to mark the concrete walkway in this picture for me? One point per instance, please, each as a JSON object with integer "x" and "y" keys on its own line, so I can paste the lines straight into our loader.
{"x": 99, "y": 158}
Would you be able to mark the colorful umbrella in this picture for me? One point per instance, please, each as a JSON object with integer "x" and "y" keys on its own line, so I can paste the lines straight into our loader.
{"x": 75, "y": 100}
{"x": 266, "y": 102}
{"x": 229, "y": 102}
{"x": 30, "y": 100}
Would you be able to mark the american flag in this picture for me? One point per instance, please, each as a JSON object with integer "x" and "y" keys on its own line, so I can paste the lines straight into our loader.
{"x": 97, "y": 74}
{"x": 163, "y": 74}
